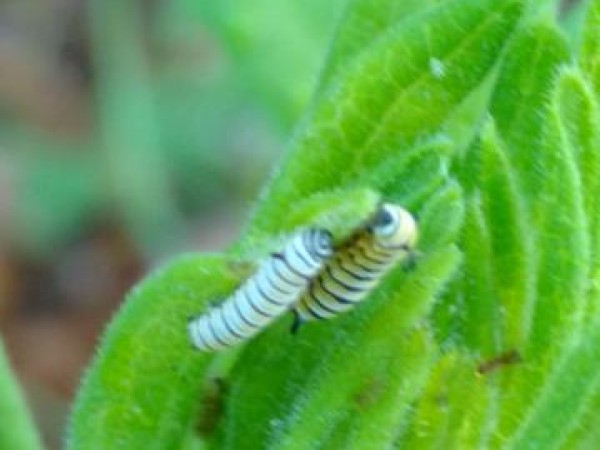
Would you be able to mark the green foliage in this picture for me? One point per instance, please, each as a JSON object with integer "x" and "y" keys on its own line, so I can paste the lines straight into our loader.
{"x": 339, "y": 211}
{"x": 366, "y": 20}
{"x": 161, "y": 114}
{"x": 475, "y": 116}
{"x": 278, "y": 46}
{"x": 590, "y": 46}
{"x": 47, "y": 183}
{"x": 113, "y": 396}
{"x": 130, "y": 133}
{"x": 16, "y": 429}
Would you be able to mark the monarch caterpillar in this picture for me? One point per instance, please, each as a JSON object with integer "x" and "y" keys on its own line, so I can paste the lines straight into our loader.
{"x": 277, "y": 284}
{"x": 355, "y": 269}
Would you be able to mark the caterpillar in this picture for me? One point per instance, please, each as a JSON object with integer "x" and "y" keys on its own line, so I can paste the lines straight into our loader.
{"x": 277, "y": 284}
{"x": 356, "y": 268}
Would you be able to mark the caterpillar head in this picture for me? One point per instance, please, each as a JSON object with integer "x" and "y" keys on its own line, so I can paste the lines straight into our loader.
{"x": 394, "y": 227}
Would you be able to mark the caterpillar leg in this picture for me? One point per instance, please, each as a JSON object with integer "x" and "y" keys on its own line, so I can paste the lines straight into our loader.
{"x": 411, "y": 261}
{"x": 296, "y": 323}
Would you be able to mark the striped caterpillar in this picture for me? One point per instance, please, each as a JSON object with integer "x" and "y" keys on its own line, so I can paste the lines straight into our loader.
{"x": 356, "y": 268}
{"x": 277, "y": 284}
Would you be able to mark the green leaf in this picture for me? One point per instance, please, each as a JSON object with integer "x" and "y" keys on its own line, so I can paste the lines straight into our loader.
{"x": 533, "y": 60}
{"x": 411, "y": 176}
{"x": 546, "y": 175}
{"x": 511, "y": 250}
{"x": 146, "y": 379}
{"x": 366, "y": 21}
{"x": 278, "y": 47}
{"x": 487, "y": 310}
{"x": 340, "y": 211}
{"x": 561, "y": 403}
{"x": 383, "y": 403}
{"x": 517, "y": 105}
{"x": 453, "y": 390}
{"x": 585, "y": 435}
{"x": 17, "y": 430}
{"x": 563, "y": 233}
{"x": 580, "y": 122}
{"x": 455, "y": 312}
{"x": 589, "y": 57}
{"x": 382, "y": 103}
{"x": 441, "y": 218}
{"x": 525, "y": 223}
{"x": 563, "y": 248}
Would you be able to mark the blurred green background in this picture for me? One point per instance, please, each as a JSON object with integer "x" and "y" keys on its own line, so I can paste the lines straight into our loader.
{"x": 131, "y": 131}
